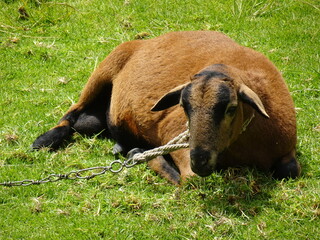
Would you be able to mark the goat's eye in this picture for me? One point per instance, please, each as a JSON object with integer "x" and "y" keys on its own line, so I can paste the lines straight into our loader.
{"x": 231, "y": 110}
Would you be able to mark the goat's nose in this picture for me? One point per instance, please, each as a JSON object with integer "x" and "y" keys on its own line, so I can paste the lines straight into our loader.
{"x": 200, "y": 157}
{"x": 201, "y": 161}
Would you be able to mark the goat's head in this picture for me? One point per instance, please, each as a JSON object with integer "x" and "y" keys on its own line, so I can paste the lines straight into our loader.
{"x": 213, "y": 104}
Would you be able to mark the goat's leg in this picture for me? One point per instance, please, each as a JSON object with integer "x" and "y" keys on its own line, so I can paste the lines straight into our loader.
{"x": 162, "y": 167}
{"x": 89, "y": 121}
{"x": 88, "y": 114}
{"x": 287, "y": 167}
{"x": 55, "y": 136}
{"x": 181, "y": 159}
{"x": 85, "y": 117}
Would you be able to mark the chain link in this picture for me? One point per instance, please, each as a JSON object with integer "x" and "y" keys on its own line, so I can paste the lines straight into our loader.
{"x": 86, "y": 173}
{"x": 115, "y": 166}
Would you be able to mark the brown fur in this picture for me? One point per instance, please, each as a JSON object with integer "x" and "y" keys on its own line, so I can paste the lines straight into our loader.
{"x": 142, "y": 71}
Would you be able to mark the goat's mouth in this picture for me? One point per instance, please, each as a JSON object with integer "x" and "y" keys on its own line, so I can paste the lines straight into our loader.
{"x": 203, "y": 162}
{"x": 204, "y": 172}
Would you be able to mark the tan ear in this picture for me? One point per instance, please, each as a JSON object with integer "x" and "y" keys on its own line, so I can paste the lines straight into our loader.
{"x": 169, "y": 99}
{"x": 250, "y": 97}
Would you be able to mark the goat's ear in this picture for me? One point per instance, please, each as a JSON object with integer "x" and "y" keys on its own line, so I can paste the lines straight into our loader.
{"x": 170, "y": 99}
{"x": 250, "y": 97}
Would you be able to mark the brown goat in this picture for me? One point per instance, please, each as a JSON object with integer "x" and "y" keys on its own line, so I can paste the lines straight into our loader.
{"x": 239, "y": 109}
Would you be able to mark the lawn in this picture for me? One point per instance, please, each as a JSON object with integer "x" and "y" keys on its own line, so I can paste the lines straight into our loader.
{"x": 48, "y": 50}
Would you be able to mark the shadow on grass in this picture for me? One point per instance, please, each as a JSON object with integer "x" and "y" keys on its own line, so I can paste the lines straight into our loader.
{"x": 240, "y": 192}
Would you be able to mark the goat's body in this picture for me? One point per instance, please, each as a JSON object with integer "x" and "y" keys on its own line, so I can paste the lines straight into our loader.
{"x": 137, "y": 73}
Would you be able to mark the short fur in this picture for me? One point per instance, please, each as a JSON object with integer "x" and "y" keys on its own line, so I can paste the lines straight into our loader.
{"x": 121, "y": 92}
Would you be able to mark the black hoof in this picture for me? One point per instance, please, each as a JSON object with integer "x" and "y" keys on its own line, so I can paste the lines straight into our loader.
{"x": 51, "y": 139}
{"x": 117, "y": 149}
{"x": 134, "y": 151}
{"x": 287, "y": 170}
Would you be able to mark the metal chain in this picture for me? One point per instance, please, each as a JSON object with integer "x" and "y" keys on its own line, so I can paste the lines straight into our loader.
{"x": 114, "y": 167}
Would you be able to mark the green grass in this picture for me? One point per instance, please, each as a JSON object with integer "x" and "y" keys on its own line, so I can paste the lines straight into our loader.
{"x": 45, "y": 60}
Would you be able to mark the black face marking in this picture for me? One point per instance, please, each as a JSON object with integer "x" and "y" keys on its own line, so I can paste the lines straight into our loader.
{"x": 220, "y": 107}
{"x": 185, "y": 95}
{"x": 211, "y": 74}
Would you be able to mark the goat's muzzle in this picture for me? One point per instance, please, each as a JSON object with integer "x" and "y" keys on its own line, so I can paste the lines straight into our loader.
{"x": 203, "y": 162}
